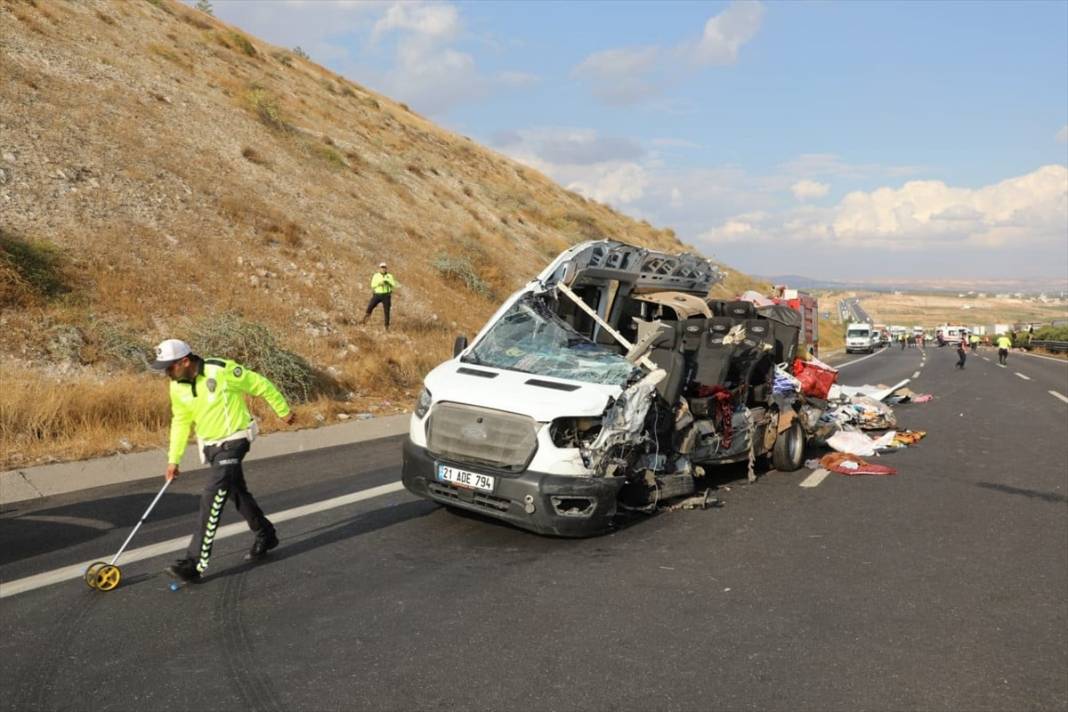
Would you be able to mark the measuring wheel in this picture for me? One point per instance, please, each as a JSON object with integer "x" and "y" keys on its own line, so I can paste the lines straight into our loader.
{"x": 92, "y": 573}
{"x": 108, "y": 577}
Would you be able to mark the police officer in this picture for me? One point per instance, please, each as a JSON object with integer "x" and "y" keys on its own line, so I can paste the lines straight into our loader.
{"x": 208, "y": 393}
{"x": 1004, "y": 344}
{"x": 382, "y": 285}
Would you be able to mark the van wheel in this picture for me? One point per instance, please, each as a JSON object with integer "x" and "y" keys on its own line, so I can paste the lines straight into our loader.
{"x": 788, "y": 453}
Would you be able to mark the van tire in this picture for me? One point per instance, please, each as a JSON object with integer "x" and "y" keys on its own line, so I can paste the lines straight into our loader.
{"x": 788, "y": 453}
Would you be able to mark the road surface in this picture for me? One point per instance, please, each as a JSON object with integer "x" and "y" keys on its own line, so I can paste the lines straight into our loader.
{"x": 941, "y": 588}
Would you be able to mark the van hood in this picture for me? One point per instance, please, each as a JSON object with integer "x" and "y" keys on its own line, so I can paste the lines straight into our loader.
{"x": 543, "y": 398}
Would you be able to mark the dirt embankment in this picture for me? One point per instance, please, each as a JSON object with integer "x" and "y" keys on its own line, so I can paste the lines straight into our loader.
{"x": 165, "y": 174}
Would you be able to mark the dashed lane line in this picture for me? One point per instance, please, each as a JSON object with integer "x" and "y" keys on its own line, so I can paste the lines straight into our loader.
{"x": 858, "y": 360}
{"x": 1001, "y": 365}
{"x": 815, "y": 478}
{"x": 916, "y": 374}
{"x": 76, "y": 571}
{"x": 985, "y": 358}
{"x": 1055, "y": 394}
{"x": 1026, "y": 378}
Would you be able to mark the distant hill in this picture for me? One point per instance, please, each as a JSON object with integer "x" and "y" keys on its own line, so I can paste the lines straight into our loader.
{"x": 163, "y": 173}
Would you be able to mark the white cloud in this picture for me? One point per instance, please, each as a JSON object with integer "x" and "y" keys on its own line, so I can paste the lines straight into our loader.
{"x": 1062, "y": 135}
{"x": 1027, "y": 210}
{"x": 620, "y": 77}
{"x": 626, "y": 76}
{"x": 808, "y": 189}
{"x": 725, "y": 33}
{"x": 436, "y": 21}
{"x": 618, "y": 184}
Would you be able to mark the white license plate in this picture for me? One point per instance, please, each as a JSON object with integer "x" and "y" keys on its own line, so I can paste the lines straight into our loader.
{"x": 463, "y": 478}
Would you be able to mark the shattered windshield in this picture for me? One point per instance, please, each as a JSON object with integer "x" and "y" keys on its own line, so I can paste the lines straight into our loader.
{"x": 530, "y": 338}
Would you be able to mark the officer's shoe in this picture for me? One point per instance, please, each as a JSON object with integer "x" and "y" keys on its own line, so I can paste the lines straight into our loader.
{"x": 264, "y": 543}
{"x": 184, "y": 569}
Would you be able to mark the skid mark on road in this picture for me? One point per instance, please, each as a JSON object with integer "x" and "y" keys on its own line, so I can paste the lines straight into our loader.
{"x": 1030, "y": 493}
{"x": 253, "y": 686}
{"x": 1055, "y": 394}
{"x": 1026, "y": 378}
{"x": 815, "y": 478}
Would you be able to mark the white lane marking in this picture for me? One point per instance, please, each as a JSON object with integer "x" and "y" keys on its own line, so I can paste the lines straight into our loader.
{"x": 1048, "y": 358}
{"x": 1026, "y": 378}
{"x": 985, "y": 358}
{"x": 858, "y": 360}
{"x": 75, "y": 521}
{"x": 1055, "y": 394}
{"x": 815, "y": 478}
{"x": 1001, "y": 365}
{"x": 76, "y": 571}
{"x": 916, "y": 374}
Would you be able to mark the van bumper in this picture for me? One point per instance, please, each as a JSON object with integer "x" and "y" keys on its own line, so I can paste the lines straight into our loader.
{"x": 555, "y": 505}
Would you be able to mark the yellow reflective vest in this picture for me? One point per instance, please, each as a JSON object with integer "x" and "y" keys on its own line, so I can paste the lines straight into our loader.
{"x": 214, "y": 401}
{"x": 1004, "y": 342}
{"x": 383, "y": 283}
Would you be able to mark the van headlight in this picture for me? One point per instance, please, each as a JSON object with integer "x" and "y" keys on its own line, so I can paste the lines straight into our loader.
{"x": 422, "y": 406}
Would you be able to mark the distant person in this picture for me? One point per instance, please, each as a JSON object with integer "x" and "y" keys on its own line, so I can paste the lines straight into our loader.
{"x": 1004, "y": 344}
{"x": 962, "y": 355}
{"x": 1030, "y": 334}
{"x": 209, "y": 394}
{"x": 382, "y": 285}
{"x": 974, "y": 341}
{"x": 902, "y": 339}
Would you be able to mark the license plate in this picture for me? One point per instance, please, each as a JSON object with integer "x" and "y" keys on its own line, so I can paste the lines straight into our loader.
{"x": 463, "y": 478}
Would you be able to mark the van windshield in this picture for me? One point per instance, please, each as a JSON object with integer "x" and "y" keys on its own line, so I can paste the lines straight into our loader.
{"x": 530, "y": 338}
{"x": 858, "y": 333}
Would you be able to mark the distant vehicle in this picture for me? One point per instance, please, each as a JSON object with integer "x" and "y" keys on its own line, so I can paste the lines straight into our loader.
{"x": 882, "y": 334}
{"x": 950, "y": 334}
{"x": 860, "y": 337}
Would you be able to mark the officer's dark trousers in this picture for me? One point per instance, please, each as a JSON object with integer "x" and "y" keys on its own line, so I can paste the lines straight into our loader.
{"x": 376, "y": 299}
{"x": 226, "y": 480}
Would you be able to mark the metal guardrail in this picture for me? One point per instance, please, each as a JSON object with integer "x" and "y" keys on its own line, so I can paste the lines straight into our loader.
{"x": 1054, "y": 346}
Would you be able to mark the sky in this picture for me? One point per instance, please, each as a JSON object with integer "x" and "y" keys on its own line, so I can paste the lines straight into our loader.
{"x": 834, "y": 140}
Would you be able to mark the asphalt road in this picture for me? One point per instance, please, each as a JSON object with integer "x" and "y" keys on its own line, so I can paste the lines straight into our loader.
{"x": 943, "y": 587}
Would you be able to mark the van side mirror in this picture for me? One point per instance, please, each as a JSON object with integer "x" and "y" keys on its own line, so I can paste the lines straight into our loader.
{"x": 459, "y": 345}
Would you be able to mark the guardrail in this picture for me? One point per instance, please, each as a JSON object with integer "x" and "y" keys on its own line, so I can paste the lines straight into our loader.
{"x": 1054, "y": 346}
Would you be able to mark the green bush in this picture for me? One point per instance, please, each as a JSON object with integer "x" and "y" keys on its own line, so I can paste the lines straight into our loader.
{"x": 460, "y": 269}
{"x": 29, "y": 270}
{"x": 243, "y": 43}
{"x": 120, "y": 346}
{"x": 264, "y": 104}
{"x": 253, "y": 345}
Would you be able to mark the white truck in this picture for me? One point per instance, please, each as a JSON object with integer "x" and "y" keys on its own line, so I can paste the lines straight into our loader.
{"x": 609, "y": 381}
{"x": 860, "y": 337}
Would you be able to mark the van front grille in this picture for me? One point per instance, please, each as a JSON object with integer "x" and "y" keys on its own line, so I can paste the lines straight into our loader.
{"x": 469, "y": 434}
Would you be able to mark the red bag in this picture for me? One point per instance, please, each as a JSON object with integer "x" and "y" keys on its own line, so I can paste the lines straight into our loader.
{"x": 816, "y": 377}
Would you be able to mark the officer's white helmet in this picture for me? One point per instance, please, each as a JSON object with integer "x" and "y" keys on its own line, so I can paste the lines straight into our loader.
{"x": 168, "y": 351}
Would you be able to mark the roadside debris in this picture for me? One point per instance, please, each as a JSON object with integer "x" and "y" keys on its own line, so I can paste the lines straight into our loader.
{"x": 845, "y": 464}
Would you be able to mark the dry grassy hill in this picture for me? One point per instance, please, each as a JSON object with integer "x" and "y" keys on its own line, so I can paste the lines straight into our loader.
{"x": 164, "y": 174}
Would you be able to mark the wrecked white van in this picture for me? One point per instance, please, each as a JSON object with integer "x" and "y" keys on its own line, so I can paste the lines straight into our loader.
{"x": 607, "y": 382}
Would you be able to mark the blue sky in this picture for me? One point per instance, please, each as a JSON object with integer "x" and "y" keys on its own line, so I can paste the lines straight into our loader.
{"x": 904, "y": 139}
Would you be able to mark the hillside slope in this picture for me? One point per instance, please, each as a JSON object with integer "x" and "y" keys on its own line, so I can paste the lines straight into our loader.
{"x": 164, "y": 174}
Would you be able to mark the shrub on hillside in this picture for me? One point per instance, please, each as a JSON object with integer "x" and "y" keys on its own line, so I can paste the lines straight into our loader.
{"x": 119, "y": 346}
{"x": 264, "y": 104}
{"x": 243, "y": 43}
{"x": 460, "y": 269}
{"x": 252, "y": 344}
{"x": 29, "y": 271}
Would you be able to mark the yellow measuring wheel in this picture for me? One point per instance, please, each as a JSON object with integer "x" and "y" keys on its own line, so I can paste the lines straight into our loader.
{"x": 91, "y": 573}
{"x": 106, "y": 576}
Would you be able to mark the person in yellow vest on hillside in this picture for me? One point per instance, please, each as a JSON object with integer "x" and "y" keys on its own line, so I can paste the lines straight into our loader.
{"x": 1004, "y": 344}
{"x": 209, "y": 394}
{"x": 382, "y": 285}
